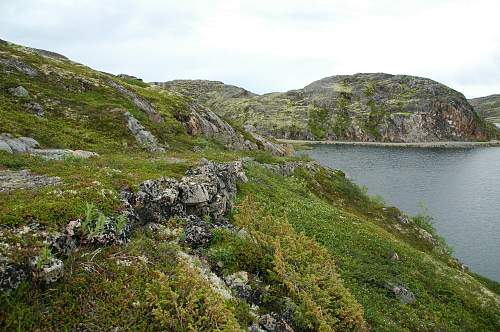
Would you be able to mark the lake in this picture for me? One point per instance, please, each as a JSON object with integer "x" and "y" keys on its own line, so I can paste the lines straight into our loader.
{"x": 460, "y": 188}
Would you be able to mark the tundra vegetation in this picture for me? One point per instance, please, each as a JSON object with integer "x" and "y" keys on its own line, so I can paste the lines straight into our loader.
{"x": 298, "y": 247}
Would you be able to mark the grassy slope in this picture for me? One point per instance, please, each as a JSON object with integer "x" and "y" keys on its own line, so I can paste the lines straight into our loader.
{"x": 488, "y": 107}
{"x": 337, "y": 232}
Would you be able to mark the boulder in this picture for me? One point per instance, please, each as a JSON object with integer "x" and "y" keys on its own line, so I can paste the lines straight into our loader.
{"x": 129, "y": 77}
{"x": 239, "y": 283}
{"x": 16, "y": 145}
{"x": 29, "y": 142}
{"x": 5, "y": 147}
{"x": 30, "y": 145}
{"x": 403, "y": 294}
{"x": 19, "y": 91}
{"x": 60, "y": 154}
{"x": 34, "y": 108}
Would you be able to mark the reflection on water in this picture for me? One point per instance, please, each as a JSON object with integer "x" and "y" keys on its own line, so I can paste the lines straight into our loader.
{"x": 459, "y": 187}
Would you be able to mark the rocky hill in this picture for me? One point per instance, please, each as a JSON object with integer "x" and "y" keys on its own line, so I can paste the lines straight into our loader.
{"x": 128, "y": 207}
{"x": 361, "y": 107}
{"x": 488, "y": 107}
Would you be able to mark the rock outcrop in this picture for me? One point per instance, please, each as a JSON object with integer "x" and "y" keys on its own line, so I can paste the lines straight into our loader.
{"x": 30, "y": 146}
{"x": 361, "y": 107}
{"x": 13, "y": 63}
{"x": 138, "y": 101}
{"x": 145, "y": 138}
{"x": 24, "y": 179}
{"x": 206, "y": 191}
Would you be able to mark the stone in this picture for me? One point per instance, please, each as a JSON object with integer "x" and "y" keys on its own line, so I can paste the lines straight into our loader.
{"x": 15, "y": 180}
{"x": 206, "y": 191}
{"x": 60, "y": 154}
{"x": 11, "y": 275}
{"x": 143, "y": 137}
{"x": 404, "y": 219}
{"x": 84, "y": 154}
{"x": 393, "y": 256}
{"x": 49, "y": 272}
{"x": 5, "y": 147}
{"x": 19, "y": 91}
{"x": 34, "y": 108}
{"x": 239, "y": 283}
{"x": 16, "y": 145}
{"x": 31, "y": 143}
{"x": 198, "y": 233}
{"x": 275, "y": 149}
{"x": 19, "y": 66}
{"x": 403, "y": 294}
{"x": 273, "y": 323}
{"x": 129, "y": 77}
{"x": 237, "y": 279}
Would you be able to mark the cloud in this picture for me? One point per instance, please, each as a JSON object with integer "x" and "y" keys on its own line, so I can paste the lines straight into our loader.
{"x": 269, "y": 45}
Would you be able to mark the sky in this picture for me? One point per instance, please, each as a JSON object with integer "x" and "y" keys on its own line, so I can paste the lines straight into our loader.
{"x": 267, "y": 46}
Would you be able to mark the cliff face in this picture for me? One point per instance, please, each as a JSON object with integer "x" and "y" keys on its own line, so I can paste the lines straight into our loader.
{"x": 361, "y": 107}
{"x": 488, "y": 107}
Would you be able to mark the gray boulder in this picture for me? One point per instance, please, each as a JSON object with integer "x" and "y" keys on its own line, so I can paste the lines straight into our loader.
{"x": 16, "y": 145}
{"x": 5, "y": 147}
{"x": 19, "y": 91}
{"x": 403, "y": 294}
{"x": 29, "y": 142}
{"x": 60, "y": 154}
{"x": 34, "y": 108}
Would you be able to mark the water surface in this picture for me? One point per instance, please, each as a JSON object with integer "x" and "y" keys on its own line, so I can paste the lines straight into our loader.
{"x": 459, "y": 187}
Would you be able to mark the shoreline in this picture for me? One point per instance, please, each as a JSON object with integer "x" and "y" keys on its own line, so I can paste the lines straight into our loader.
{"x": 437, "y": 144}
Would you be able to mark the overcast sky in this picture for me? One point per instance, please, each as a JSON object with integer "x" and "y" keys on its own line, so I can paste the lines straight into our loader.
{"x": 268, "y": 45}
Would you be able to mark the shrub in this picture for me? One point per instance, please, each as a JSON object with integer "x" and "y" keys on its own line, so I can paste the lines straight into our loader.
{"x": 306, "y": 271}
{"x": 44, "y": 257}
{"x": 185, "y": 302}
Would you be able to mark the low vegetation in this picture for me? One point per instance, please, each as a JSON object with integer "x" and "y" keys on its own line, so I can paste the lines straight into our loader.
{"x": 316, "y": 248}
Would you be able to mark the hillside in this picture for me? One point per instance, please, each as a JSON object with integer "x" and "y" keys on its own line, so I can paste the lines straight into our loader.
{"x": 125, "y": 206}
{"x": 488, "y": 107}
{"x": 361, "y": 107}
